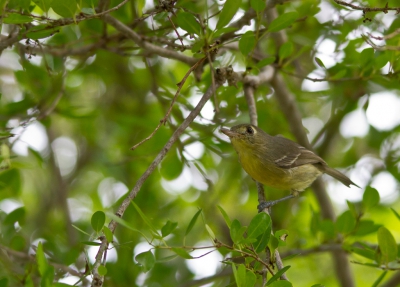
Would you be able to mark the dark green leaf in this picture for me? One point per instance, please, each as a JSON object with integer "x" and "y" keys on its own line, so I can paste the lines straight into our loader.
{"x": 188, "y": 23}
{"x": 319, "y": 62}
{"x": 222, "y": 31}
{"x": 17, "y": 215}
{"x": 17, "y": 19}
{"x": 286, "y": 50}
{"x": 146, "y": 260}
{"x": 80, "y": 230}
{"x": 265, "y": 62}
{"x": 370, "y": 254}
{"x": 346, "y": 222}
{"x": 277, "y": 275}
{"x": 228, "y": 11}
{"x": 168, "y": 228}
{"x": 263, "y": 240}
{"x": 64, "y": 8}
{"x": 328, "y": 228}
{"x": 98, "y": 220}
{"x": 258, "y": 5}
{"x": 258, "y": 225}
{"x": 41, "y": 31}
{"x": 370, "y": 197}
{"x": 365, "y": 227}
{"x": 247, "y": 42}
{"x": 283, "y": 21}
{"x": 387, "y": 245}
{"x": 182, "y": 253}
{"x": 192, "y": 222}
{"x": 225, "y": 216}
{"x": 145, "y": 219}
{"x": 236, "y": 231}
{"x": 43, "y": 4}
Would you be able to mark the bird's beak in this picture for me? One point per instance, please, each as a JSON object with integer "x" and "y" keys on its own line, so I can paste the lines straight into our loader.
{"x": 229, "y": 133}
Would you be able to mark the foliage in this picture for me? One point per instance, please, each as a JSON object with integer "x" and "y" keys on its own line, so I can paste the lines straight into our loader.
{"x": 83, "y": 81}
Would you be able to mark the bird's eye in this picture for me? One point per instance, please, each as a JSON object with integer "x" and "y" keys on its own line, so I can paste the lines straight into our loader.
{"x": 250, "y": 130}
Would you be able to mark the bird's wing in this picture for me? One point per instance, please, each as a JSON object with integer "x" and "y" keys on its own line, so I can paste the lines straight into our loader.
{"x": 288, "y": 154}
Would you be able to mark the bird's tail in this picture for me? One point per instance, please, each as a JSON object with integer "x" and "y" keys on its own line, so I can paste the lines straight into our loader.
{"x": 339, "y": 176}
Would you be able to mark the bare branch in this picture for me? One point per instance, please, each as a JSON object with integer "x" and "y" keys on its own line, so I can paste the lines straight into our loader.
{"x": 150, "y": 48}
{"x": 368, "y": 9}
{"x": 220, "y": 77}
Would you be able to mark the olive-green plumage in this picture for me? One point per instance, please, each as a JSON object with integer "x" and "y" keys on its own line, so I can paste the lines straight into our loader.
{"x": 278, "y": 162}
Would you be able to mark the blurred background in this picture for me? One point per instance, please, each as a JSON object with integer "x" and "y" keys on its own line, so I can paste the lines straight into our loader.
{"x": 74, "y": 102}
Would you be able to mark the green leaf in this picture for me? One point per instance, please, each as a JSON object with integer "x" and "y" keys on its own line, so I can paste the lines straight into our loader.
{"x": 225, "y": 216}
{"x": 346, "y": 222}
{"x": 251, "y": 279}
{"x": 228, "y": 11}
{"x": 339, "y": 75}
{"x": 367, "y": 253}
{"x": 236, "y": 231}
{"x": 102, "y": 270}
{"x": 41, "y": 259}
{"x": 17, "y": 19}
{"x": 80, "y": 230}
{"x": 168, "y": 228}
{"x": 222, "y": 31}
{"x": 370, "y": 197}
{"x": 285, "y": 50}
{"x": 258, "y": 225}
{"x": 396, "y": 213}
{"x": 247, "y": 43}
{"x": 241, "y": 276}
{"x": 319, "y": 62}
{"x": 64, "y": 8}
{"x": 379, "y": 279}
{"x": 41, "y": 31}
{"x": 98, "y": 220}
{"x": 146, "y": 260}
{"x": 367, "y": 56}
{"x": 265, "y": 62}
{"x": 263, "y": 240}
{"x": 182, "y": 253}
{"x": 281, "y": 235}
{"x": 210, "y": 232}
{"x": 387, "y": 245}
{"x": 283, "y": 21}
{"x": 328, "y": 228}
{"x": 188, "y": 23}
{"x": 145, "y": 219}
{"x": 281, "y": 283}
{"x": 124, "y": 223}
{"x": 108, "y": 234}
{"x": 43, "y": 4}
{"x": 365, "y": 227}
{"x": 4, "y": 282}
{"x": 171, "y": 166}
{"x": 17, "y": 215}
{"x": 277, "y": 275}
{"x": 258, "y": 5}
{"x": 192, "y": 222}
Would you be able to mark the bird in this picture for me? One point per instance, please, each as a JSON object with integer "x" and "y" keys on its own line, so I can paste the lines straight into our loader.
{"x": 278, "y": 162}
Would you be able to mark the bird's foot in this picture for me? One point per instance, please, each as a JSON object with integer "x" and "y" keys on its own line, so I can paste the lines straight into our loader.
{"x": 269, "y": 204}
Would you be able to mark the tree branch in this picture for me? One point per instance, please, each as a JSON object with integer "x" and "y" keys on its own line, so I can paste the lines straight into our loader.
{"x": 220, "y": 77}
{"x": 148, "y": 47}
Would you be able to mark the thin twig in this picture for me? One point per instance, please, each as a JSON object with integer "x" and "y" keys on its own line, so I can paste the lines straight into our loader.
{"x": 164, "y": 120}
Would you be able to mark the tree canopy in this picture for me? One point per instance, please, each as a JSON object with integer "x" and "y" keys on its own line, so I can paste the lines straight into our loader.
{"x": 113, "y": 171}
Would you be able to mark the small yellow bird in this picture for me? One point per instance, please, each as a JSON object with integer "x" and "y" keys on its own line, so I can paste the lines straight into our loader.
{"x": 278, "y": 162}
